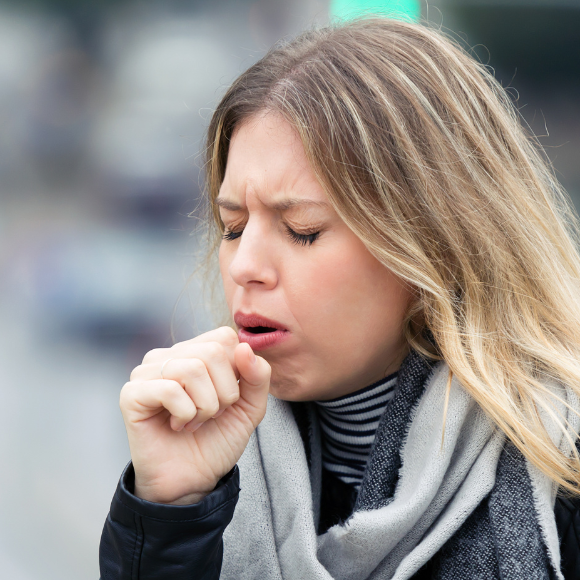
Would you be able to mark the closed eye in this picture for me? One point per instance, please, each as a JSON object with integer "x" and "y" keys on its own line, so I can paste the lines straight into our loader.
{"x": 301, "y": 239}
{"x": 230, "y": 235}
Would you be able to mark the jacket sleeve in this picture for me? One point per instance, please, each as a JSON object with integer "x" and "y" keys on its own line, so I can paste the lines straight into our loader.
{"x": 142, "y": 540}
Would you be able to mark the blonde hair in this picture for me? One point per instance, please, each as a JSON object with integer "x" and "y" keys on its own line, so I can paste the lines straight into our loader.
{"x": 425, "y": 158}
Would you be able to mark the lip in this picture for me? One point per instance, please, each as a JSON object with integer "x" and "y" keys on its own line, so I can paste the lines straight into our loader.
{"x": 252, "y": 319}
{"x": 263, "y": 340}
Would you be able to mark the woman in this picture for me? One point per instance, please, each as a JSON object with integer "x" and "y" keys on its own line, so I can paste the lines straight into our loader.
{"x": 397, "y": 252}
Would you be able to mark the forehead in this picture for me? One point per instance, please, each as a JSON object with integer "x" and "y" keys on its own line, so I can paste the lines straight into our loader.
{"x": 266, "y": 159}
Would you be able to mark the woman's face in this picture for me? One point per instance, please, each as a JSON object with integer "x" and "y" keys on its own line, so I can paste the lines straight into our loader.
{"x": 338, "y": 310}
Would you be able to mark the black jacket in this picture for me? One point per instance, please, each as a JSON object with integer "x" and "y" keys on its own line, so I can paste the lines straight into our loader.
{"x": 143, "y": 540}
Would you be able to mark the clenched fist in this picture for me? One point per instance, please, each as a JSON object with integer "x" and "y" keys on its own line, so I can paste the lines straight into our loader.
{"x": 188, "y": 425}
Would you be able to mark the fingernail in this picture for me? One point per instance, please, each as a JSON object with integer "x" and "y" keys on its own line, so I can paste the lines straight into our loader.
{"x": 194, "y": 429}
{"x": 218, "y": 414}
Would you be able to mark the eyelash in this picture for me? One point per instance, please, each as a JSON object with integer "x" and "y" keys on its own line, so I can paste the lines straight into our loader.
{"x": 300, "y": 239}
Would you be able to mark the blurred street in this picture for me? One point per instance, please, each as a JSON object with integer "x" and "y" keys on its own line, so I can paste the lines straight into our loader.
{"x": 102, "y": 111}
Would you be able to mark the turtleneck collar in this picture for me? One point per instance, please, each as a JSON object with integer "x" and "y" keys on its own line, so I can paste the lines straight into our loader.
{"x": 348, "y": 427}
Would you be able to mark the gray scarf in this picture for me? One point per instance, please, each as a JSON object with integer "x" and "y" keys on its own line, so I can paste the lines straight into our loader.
{"x": 469, "y": 506}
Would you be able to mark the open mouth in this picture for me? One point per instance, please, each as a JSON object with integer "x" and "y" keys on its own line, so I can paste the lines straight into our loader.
{"x": 257, "y": 332}
{"x": 260, "y": 329}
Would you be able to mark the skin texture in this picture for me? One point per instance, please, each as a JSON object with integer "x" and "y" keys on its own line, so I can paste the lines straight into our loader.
{"x": 188, "y": 425}
{"x": 344, "y": 309}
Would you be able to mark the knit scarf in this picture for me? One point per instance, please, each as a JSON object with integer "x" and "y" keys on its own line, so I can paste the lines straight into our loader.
{"x": 466, "y": 505}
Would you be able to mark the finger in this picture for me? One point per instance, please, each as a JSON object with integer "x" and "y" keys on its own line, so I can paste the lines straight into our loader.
{"x": 156, "y": 355}
{"x": 216, "y": 361}
{"x": 221, "y": 372}
{"x": 220, "y": 363}
{"x": 194, "y": 376}
{"x": 254, "y": 381}
{"x": 224, "y": 336}
{"x": 140, "y": 401}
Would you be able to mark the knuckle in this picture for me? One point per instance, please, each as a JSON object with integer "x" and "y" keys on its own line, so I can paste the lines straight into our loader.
{"x": 216, "y": 350}
{"x": 168, "y": 390}
{"x": 197, "y": 367}
{"x": 227, "y": 335}
{"x": 135, "y": 372}
{"x": 206, "y": 412}
{"x": 231, "y": 398}
{"x": 152, "y": 355}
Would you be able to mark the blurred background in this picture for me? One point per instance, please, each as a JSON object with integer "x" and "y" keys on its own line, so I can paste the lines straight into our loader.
{"x": 103, "y": 105}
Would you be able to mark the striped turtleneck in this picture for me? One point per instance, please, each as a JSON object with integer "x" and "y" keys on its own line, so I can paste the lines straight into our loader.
{"x": 348, "y": 427}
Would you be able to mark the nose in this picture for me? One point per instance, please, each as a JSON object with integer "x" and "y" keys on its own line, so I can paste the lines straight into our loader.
{"x": 252, "y": 264}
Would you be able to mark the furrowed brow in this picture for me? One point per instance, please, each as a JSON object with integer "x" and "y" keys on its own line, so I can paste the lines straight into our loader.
{"x": 293, "y": 202}
{"x": 279, "y": 205}
{"x": 227, "y": 204}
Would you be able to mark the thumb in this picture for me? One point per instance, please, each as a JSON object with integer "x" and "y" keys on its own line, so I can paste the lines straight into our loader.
{"x": 254, "y": 381}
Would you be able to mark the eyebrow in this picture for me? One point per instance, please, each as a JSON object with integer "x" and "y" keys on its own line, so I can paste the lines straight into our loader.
{"x": 279, "y": 205}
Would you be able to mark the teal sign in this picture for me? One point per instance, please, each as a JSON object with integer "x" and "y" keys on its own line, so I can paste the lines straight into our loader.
{"x": 402, "y": 9}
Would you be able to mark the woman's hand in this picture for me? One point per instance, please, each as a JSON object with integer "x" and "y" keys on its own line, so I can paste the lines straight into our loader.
{"x": 188, "y": 428}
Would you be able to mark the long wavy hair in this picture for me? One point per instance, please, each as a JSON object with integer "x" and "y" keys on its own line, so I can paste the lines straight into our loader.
{"x": 424, "y": 156}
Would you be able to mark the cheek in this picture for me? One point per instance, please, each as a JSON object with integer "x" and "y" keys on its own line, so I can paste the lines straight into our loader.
{"x": 349, "y": 296}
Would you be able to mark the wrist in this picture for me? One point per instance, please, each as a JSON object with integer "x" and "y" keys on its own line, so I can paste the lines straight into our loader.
{"x": 127, "y": 502}
{"x": 154, "y": 494}
{"x": 189, "y": 499}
